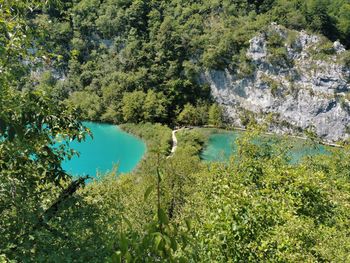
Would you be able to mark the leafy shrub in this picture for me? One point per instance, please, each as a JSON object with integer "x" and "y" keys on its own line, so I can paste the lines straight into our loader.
{"x": 279, "y": 57}
{"x": 275, "y": 40}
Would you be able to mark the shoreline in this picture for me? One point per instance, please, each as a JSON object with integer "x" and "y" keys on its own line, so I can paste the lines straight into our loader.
{"x": 267, "y": 133}
{"x": 228, "y": 128}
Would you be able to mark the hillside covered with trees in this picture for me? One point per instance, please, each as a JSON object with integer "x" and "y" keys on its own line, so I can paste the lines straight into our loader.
{"x": 138, "y": 62}
{"x": 112, "y": 56}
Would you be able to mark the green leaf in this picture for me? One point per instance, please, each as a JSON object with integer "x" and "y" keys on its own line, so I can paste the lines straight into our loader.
{"x": 127, "y": 257}
{"x": 163, "y": 218}
{"x": 188, "y": 224}
{"x": 117, "y": 257}
{"x": 160, "y": 176}
{"x": 123, "y": 243}
{"x": 148, "y": 192}
{"x": 157, "y": 241}
{"x": 173, "y": 243}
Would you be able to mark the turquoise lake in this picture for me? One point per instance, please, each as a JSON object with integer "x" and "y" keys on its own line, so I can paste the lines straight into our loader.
{"x": 110, "y": 146}
{"x": 221, "y": 146}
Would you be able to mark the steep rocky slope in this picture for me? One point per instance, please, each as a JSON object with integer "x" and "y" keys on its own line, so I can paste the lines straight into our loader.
{"x": 295, "y": 80}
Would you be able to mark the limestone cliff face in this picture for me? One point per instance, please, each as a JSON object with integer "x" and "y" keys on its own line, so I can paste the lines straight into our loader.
{"x": 297, "y": 80}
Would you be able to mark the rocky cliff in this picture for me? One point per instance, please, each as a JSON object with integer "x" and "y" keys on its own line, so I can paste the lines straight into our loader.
{"x": 293, "y": 80}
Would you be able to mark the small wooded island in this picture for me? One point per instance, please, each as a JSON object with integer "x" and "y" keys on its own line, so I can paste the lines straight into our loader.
{"x": 220, "y": 131}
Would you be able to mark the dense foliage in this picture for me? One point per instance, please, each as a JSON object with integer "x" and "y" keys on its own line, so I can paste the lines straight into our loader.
{"x": 33, "y": 184}
{"x": 112, "y": 55}
{"x": 140, "y": 61}
{"x": 257, "y": 207}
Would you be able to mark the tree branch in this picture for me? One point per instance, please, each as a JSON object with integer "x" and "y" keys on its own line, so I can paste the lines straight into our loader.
{"x": 52, "y": 211}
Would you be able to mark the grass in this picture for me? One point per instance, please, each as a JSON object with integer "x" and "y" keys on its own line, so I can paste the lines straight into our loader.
{"x": 157, "y": 138}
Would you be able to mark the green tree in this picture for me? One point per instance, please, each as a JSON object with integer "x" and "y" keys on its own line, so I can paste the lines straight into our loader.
{"x": 112, "y": 96}
{"x": 188, "y": 116}
{"x": 133, "y": 106}
{"x": 215, "y": 115}
{"x": 154, "y": 107}
{"x": 319, "y": 19}
{"x": 202, "y": 112}
{"x": 88, "y": 102}
{"x": 33, "y": 185}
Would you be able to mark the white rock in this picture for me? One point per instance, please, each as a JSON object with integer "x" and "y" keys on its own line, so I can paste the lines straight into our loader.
{"x": 312, "y": 104}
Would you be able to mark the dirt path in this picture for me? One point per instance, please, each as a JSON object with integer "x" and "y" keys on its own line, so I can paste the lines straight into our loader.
{"x": 173, "y": 149}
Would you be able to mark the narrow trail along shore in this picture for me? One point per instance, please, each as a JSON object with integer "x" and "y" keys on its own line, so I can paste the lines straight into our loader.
{"x": 174, "y": 139}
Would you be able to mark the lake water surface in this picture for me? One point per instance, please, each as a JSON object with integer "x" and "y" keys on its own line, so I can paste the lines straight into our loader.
{"x": 222, "y": 145}
{"x": 109, "y": 146}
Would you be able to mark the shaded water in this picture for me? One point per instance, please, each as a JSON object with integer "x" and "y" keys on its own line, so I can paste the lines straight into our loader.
{"x": 109, "y": 146}
{"x": 221, "y": 146}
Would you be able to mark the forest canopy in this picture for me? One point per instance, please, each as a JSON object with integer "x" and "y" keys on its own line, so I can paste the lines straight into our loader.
{"x": 105, "y": 50}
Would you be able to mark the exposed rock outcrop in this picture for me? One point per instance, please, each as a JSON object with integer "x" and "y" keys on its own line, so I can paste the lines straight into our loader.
{"x": 298, "y": 80}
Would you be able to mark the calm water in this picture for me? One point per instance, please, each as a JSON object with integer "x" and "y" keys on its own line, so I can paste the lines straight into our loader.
{"x": 222, "y": 145}
{"x": 109, "y": 146}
